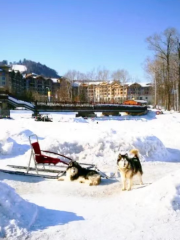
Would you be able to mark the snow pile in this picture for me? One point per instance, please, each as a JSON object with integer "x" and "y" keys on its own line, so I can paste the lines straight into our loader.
{"x": 23, "y": 135}
{"x": 16, "y": 214}
{"x": 165, "y": 193}
{"x": 161, "y": 203}
{"x": 5, "y": 145}
{"x": 104, "y": 148}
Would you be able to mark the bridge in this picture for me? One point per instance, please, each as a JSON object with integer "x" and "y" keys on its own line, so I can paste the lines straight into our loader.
{"x": 88, "y": 109}
{"x": 83, "y": 109}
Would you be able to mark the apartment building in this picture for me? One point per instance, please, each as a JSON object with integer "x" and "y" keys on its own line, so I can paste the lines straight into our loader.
{"x": 45, "y": 89}
{"x": 20, "y": 84}
{"x": 5, "y": 79}
{"x": 101, "y": 91}
{"x": 140, "y": 92}
{"x": 38, "y": 85}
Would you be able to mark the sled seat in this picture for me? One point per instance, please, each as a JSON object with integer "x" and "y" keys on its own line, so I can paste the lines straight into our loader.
{"x": 39, "y": 158}
{"x": 43, "y": 159}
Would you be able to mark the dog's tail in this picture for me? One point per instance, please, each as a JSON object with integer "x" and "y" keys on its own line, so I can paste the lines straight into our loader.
{"x": 135, "y": 152}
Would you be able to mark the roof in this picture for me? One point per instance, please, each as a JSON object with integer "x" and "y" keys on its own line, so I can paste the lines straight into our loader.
{"x": 141, "y": 84}
{"x": 54, "y": 79}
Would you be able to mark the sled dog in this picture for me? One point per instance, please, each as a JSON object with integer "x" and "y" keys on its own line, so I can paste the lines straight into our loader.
{"x": 129, "y": 167}
{"x": 77, "y": 173}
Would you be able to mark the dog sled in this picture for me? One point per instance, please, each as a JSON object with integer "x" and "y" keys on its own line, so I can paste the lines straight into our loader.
{"x": 46, "y": 164}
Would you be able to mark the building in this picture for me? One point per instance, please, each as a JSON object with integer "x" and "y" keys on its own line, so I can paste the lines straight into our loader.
{"x": 42, "y": 88}
{"x": 101, "y": 91}
{"x": 36, "y": 87}
{"x": 140, "y": 92}
{"x": 5, "y": 78}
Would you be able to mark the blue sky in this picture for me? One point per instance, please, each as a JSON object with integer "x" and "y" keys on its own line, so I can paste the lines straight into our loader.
{"x": 84, "y": 34}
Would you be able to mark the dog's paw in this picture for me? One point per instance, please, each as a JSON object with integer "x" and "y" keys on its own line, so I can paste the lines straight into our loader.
{"x": 123, "y": 189}
{"x": 60, "y": 179}
{"x": 129, "y": 189}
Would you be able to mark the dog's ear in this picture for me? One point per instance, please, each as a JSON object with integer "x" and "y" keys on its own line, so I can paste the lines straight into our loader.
{"x": 126, "y": 156}
{"x": 119, "y": 158}
{"x": 70, "y": 164}
{"x": 76, "y": 164}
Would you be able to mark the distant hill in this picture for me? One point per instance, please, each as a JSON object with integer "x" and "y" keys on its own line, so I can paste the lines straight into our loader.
{"x": 34, "y": 67}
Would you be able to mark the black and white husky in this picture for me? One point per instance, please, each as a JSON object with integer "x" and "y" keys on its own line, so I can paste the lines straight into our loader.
{"x": 75, "y": 172}
{"x": 129, "y": 167}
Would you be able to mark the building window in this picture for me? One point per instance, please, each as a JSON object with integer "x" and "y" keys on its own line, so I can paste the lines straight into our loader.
{"x": 2, "y": 83}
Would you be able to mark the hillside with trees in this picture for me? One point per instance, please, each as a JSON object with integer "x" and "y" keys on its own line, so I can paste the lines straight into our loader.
{"x": 34, "y": 67}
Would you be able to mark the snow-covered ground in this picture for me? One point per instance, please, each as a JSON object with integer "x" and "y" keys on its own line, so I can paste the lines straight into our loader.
{"x": 37, "y": 208}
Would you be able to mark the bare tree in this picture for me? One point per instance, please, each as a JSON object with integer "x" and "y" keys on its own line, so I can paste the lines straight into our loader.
{"x": 103, "y": 74}
{"x": 91, "y": 75}
{"x": 63, "y": 93}
{"x": 122, "y": 76}
{"x": 164, "y": 46}
{"x": 156, "y": 70}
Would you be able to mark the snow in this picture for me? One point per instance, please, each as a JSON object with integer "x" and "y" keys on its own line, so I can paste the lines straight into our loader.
{"x": 55, "y": 80}
{"x": 20, "y": 68}
{"x": 14, "y": 221}
{"x": 36, "y": 208}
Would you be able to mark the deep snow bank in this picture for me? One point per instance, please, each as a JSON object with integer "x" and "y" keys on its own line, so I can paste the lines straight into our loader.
{"x": 165, "y": 193}
{"x": 16, "y": 214}
{"x": 101, "y": 148}
{"x": 5, "y": 146}
{"x": 104, "y": 148}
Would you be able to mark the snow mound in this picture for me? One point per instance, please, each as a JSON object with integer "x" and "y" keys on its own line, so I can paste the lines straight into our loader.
{"x": 104, "y": 148}
{"x": 24, "y": 135}
{"x": 164, "y": 194}
{"x": 16, "y": 214}
{"x": 5, "y": 146}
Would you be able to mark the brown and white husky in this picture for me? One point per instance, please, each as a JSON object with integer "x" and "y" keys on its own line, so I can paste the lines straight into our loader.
{"x": 129, "y": 167}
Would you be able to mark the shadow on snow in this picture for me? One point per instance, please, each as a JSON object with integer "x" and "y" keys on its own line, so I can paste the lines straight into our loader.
{"x": 20, "y": 178}
{"x": 176, "y": 200}
{"x": 174, "y": 152}
{"x": 49, "y": 218}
